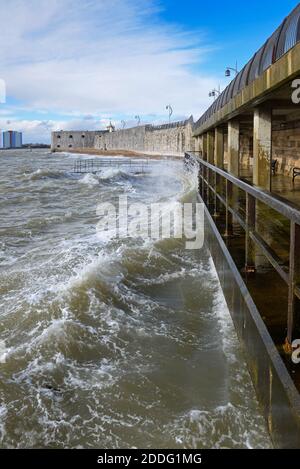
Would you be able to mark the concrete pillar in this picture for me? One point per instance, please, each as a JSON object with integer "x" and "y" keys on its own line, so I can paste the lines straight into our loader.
{"x": 219, "y": 147}
{"x": 196, "y": 144}
{"x": 262, "y": 148}
{"x": 210, "y": 146}
{"x": 262, "y": 172}
{"x": 234, "y": 148}
{"x": 204, "y": 146}
{"x": 200, "y": 146}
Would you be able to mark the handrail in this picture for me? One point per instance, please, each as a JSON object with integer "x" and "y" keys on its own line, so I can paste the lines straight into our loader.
{"x": 253, "y": 239}
{"x": 266, "y": 197}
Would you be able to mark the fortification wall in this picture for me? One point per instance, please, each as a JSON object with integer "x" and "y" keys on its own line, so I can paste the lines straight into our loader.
{"x": 168, "y": 139}
{"x": 68, "y": 140}
{"x": 126, "y": 139}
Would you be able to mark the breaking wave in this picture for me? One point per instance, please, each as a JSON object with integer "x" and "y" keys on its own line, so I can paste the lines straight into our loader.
{"x": 46, "y": 173}
{"x": 103, "y": 338}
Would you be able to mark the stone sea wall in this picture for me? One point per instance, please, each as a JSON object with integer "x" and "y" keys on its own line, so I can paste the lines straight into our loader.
{"x": 169, "y": 139}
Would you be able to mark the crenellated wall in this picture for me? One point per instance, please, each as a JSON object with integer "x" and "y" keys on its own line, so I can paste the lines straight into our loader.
{"x": 169, "y": 139}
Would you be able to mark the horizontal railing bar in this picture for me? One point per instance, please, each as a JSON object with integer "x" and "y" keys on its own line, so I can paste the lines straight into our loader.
{"x": 265, "y": 197}
{"x": 272, "y": 257}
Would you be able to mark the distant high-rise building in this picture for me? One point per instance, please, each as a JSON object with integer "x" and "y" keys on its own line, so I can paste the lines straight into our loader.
{"x": 12, "y": 139}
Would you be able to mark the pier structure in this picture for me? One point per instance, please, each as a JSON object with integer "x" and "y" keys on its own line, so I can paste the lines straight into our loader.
{"x": 247, "y": 154}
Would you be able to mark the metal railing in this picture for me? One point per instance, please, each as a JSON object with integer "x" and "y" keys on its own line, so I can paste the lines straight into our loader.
{"x": 96, "y": 165}
{"x": 211, "y": 182}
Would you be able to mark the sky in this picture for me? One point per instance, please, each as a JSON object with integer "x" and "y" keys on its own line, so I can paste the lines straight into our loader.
{"x": 76, "y": 64}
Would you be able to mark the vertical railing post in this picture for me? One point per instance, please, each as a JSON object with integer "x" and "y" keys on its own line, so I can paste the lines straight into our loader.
{"x": 216, "y": 188}
{"x": 203, "y": 183}
{"x": 207, "y": 186}
{"x": 206, "y": 182}
{"x": 200, "y": 180}
{"x": 250, "y": 226}
{"x": 228, "y": 227}
{"x": 294, "y": 279}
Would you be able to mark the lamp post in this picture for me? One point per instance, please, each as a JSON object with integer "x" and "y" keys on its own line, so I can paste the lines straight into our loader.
{"x": 214, "y": 93}
{"x": 123, "y": 124}
{"x": 231, "y": 69}
{"x": 138, "y": 119}
{"x": 170, "y": 109}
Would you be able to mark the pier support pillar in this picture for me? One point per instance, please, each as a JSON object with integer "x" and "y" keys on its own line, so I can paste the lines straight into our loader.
{"x": 198, "y": 145}
{"x": 204, "y": 147}
{"x": 219, "y": 147}
{"x": 210, "y": 147}
{"x": 233, "y": 168}
{"x": 234, "y": 147}
{"x": 262, "y": 171}
{"x": 262, "y": 148}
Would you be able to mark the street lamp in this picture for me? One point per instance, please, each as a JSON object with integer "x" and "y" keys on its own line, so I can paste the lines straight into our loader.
{"x": 170, "y": 109}
{"x": 214, "y": 93}
{"x": 138, "y": 119}
{"x": 230, "y": 69}
{"x": 123, "y": 124}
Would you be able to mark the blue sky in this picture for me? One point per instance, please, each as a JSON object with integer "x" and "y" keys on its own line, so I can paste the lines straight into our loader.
{"x": 237, "y": 29}
{"x": 119, "y": 58}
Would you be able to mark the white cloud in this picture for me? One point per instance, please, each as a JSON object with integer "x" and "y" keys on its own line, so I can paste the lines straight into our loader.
{"x": 39, "y": 130}
{"x": 104, "y": 57}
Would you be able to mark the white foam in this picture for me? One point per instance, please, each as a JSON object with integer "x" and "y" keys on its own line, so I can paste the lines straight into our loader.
{"x": 4, "y": 351}
{"x": 3, "y": 415}
{"x": 90, "y": 180}
{"x": 219, "y": 428}
{"x": 111, "y": 173}
{"x": 42, "y": 173}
